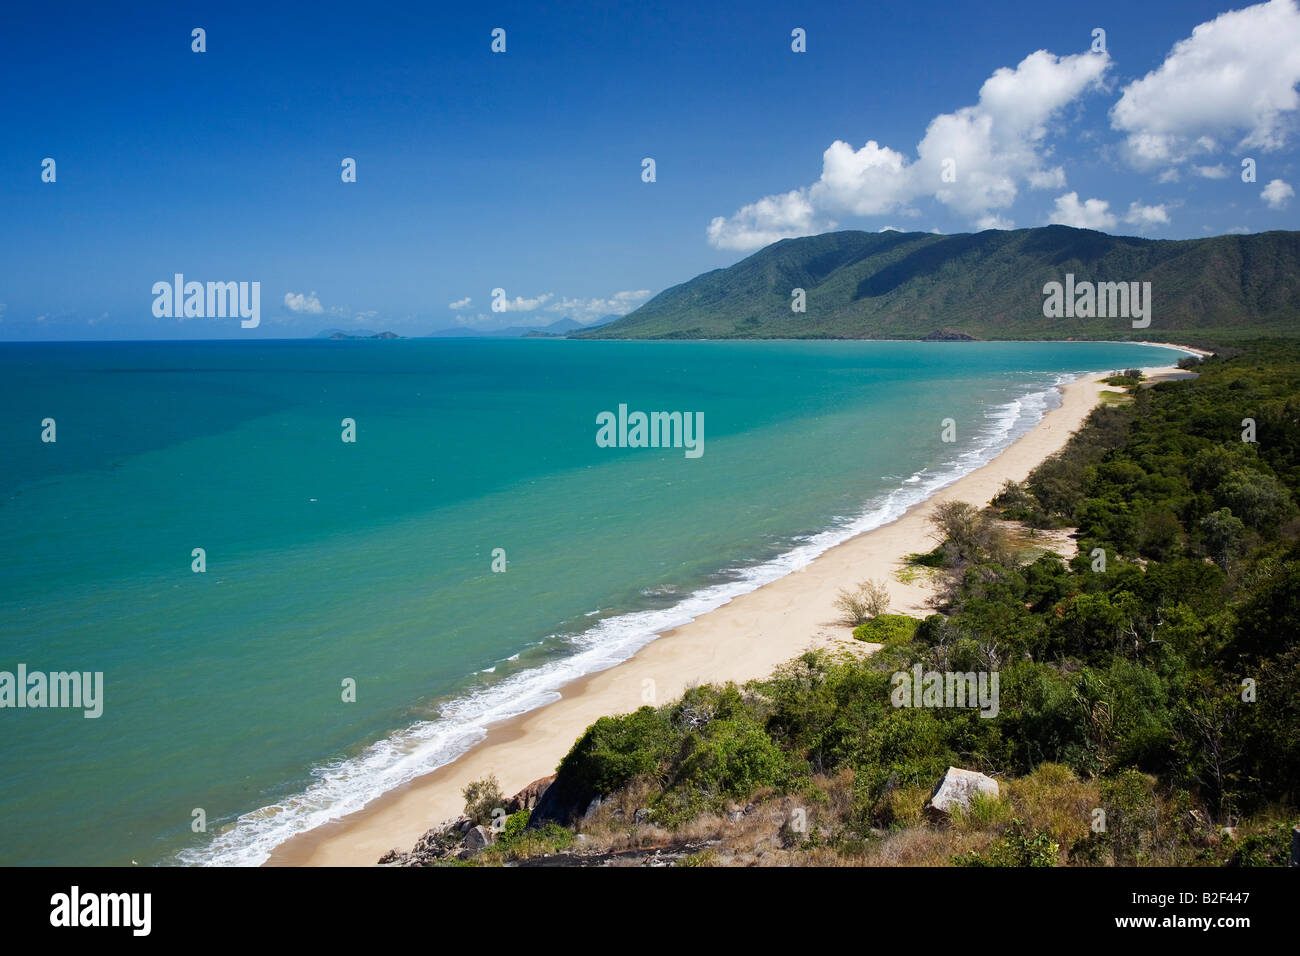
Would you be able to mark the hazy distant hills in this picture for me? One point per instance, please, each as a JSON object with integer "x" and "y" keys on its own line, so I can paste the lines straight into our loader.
{"x": 560, "y": 327}
{"x": 987, "y": 285}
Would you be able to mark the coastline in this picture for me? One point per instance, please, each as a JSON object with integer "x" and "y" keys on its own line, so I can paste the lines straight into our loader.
{"x": 744, "y": 639}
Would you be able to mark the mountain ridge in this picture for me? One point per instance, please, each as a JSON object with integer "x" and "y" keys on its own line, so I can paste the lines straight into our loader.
{"x": 986, "y": 285}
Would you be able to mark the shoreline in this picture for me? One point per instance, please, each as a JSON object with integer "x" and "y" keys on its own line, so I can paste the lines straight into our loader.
{"x": 744, "y": 639}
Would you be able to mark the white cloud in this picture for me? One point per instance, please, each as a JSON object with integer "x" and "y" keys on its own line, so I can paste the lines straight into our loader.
{"x": 1090, "y": 214}
{"x": 1053, "y": 178}
{"x": 1211, "y": 172}
{"x": 1140, "y": 215}
{"x": 1170, "y": 175}
{"x": 588, "y": 310}
{"x": 994, "y": 222}
{"x": 459, "y": 303}
{"x": 304, "y": 303}
{"x": 520, "y": 304}
{"x": 987, "y": 151}
{"x": 1277, "y": 194}
{"x": 766, "y": 221}
{"x": 1233, "y": 79}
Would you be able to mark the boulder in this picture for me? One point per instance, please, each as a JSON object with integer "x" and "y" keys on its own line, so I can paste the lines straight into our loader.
{"x": 477, "y": 838}
{"x": 956, "y": 789}
{"x": 527, "y": 798}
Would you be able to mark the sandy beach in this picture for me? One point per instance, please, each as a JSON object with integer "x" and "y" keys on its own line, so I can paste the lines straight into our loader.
{"x": 744, "y": 639}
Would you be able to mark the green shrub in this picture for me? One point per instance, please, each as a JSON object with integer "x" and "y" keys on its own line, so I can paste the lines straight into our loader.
{"x": 887, "y": 629}
{"x": 1016, "y": 848}
{"x": 481, "y": 798}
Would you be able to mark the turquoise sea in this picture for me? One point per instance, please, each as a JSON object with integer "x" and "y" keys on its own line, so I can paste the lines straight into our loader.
{"x": 372, "y": 560}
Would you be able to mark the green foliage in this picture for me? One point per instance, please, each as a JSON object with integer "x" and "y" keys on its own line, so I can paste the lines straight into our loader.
{"x": 931, "y": 559}
{"x": 1016, "y": 848}
{"x": 481, "y": 798}
{"x": 887, "y": 629}
{"x": 1272, "y": 847}
{"x": 616, "y": 749}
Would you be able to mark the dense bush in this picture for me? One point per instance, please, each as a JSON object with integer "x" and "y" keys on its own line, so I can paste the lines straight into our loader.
{"x": 887, "y": 629}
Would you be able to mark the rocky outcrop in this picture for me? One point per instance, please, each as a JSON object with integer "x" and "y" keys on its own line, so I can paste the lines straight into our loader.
{"x": 527, "y": 798}
{"x": 956, "y": 790}
{"x": 566, "y": 801}
{"x": 461, "y": 838}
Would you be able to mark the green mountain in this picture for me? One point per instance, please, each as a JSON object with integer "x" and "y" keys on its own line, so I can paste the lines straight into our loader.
{"x": 987, "y": 285}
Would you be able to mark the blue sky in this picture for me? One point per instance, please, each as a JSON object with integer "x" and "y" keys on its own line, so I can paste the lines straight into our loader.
{"x": 523, "y": 170}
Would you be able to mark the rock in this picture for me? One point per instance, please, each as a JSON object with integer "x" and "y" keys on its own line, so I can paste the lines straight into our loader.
{"x": 478, "y": 838}
{"x": 392, "y": 856}
{"x": 527, "y": 798}
{"x": 592, "y": 807}
{"x": 735, "y": 816}
{"x": 641, "y": 816}
{"x": 956, "y": 789}
{"x": 465, "y": 825}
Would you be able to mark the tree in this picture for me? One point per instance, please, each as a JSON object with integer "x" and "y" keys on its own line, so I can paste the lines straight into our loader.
{"x": 481, "y": 798}
{"x": 1224, "y": 535}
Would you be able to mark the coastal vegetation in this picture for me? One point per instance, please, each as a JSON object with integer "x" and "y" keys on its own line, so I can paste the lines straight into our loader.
{"x": 1148, "y": 709}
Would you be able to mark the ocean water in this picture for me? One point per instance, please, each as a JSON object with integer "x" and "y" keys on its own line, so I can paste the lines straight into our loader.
{"x": 372, "y": 561}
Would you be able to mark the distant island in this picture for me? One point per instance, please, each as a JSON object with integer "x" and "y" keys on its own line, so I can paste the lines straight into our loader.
{"x": 986, "y": 285}
{"x": 361, "y": 335}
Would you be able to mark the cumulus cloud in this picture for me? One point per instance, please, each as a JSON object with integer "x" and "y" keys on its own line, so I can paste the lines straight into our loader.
{"x": 459, "y": 304}
{"x": 764, "y": 222}
{"x": 1219, "y": 171}
{"x": 1232, "y": 80}
{"x": 307, "y": 303}
{"x": 1277, "y": 194}
{"x": 973, "y": 160}
{"x": 588, "y": 310}
{"x": 994, "y": 222}
{"x": 1089, "y": 214}
{"x": 1140, "y": 215}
